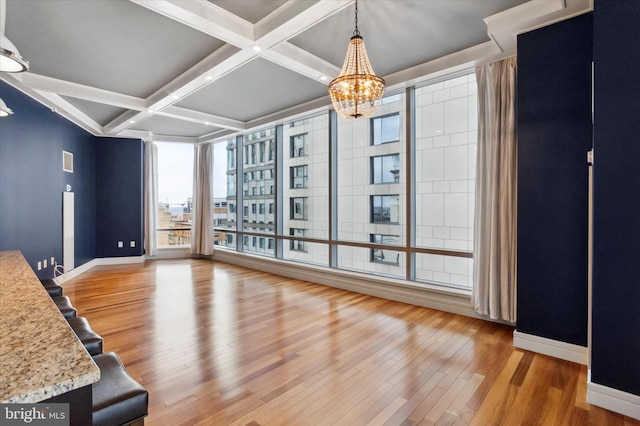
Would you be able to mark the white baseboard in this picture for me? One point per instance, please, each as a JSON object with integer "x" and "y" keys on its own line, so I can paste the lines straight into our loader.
{"x": 119, "y": 260}
{"x": 97, "y": 262}
{"x": 554, "y": 348}
{"x": 172, "y": 252}
{"x": 613, "y": 399}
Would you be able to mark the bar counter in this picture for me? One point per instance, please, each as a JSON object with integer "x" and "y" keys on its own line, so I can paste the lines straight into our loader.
{"x": 40, "y": 355}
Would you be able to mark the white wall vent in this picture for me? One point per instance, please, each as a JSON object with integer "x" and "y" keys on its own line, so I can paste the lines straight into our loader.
{"x": 67, "y": 161}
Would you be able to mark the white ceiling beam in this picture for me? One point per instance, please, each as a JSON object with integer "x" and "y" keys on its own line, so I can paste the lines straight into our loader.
{"x": 61, "y": 87}
{"x": 214, "y": 136}
{"x": 54, "y": 102}
{"x": 299, "y": 60}
{"x": 173, "y": 139}
{"x": 206, "y": 17}
{"x": 201, "y": 117}
{"x": 279, "y": 26}
{"x": 80, "y": 91}
{"x": 145, "y": 135}
{"x": 64, "y": 108}
{"x": 217, "y": 65}
{"x": 125, "y": 121}
{"x": 208, "y": 70}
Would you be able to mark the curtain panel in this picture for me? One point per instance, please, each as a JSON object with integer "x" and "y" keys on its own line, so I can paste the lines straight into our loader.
{"x": 150, "y": 198}
{"x": 494, "y": 282}
{"x": 202, "y": 223}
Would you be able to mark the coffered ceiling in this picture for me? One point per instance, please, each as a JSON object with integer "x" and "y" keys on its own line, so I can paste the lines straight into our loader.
{"x": 198, "y": 70}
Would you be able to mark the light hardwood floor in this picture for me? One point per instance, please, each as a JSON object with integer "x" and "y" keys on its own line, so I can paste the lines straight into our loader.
{"x": 217, "y": 344}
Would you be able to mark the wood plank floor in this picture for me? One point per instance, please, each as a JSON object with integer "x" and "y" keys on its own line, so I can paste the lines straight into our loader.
{"x": 218, "y": 344}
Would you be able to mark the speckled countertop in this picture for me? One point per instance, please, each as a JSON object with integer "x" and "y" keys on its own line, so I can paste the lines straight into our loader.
{"x": 40, "y": 355}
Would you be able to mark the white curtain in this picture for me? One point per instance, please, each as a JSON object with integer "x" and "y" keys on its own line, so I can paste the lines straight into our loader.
{"x": 494, "y": 286}
{"x": 150, "y": 198}
{"x": 201, "y": 229}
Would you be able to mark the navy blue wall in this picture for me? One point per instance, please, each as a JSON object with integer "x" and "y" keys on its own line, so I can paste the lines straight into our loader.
{"x": 32, "y": 182}
{"x": 107, "y": 182}
{"x": 120, "y": 193}
{"x": 554, "y": 135}
{"x": 615, "y": 358}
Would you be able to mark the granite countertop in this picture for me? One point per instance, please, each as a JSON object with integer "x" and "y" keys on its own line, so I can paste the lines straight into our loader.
{"x": 40, "y": 355}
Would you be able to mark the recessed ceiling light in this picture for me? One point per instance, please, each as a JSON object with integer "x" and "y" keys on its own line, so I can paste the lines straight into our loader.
{"x": 175, "y": 97}
{"x": 323, "y": 78}
{"x": 151, "y": 111}
{"x": 256, "y": 48}
{"x": 208, "y": 78}
{"x": 132, "y": 121}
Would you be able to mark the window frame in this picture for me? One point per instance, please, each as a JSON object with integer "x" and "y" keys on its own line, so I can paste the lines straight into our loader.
{"x": 382, "y": 169}
{"x": 298, "y": 245}
{"x": 373, "y": 206}
{"x": 295, "y": 151}
{"x": 382, "y": 119}
{"x": 293, "y": 176}
{"x": 374, "y": 258}
{"x": 293, "y": 208}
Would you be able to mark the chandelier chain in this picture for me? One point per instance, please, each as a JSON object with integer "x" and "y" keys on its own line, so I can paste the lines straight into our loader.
{"x": 356, "y": 32}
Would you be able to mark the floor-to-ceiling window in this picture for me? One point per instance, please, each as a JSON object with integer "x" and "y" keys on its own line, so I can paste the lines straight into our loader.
{"x": 224, "y": 183}
{"x": 390, "y": 195}
{"x": 371, "y": 190}
{"x": 259, "y": 191}
{"x": 305, "y": 188}
{"x": 175, "y": 187}
{"x": 445, "y": 163}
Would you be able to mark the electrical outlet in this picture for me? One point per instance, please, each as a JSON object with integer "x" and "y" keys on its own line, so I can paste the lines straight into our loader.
{"x": 132, "y": 243}
{"x": 39, "y": 265}
{"x": 53, "y": 260}
{"x": 44, "y": 263}
{"x": 120, "y": 245}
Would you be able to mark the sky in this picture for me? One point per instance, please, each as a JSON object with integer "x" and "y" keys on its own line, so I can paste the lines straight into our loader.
{"x": 175, "y": 172}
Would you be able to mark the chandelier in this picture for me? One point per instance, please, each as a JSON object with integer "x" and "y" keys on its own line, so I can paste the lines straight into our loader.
{"x": 357, "y": 91}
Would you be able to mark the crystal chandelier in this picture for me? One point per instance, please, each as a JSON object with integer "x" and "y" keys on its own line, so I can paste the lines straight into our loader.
{"x": 357, "y": 91}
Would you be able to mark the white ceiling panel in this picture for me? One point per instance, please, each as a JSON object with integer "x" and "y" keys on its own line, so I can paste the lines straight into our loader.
{"x": 98, "y": 112}
{"x": 405, "y": 33}
{"x": 109, "y": 44}
{"x": 257, "y": 87}
{"x": 250, "y": 10}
